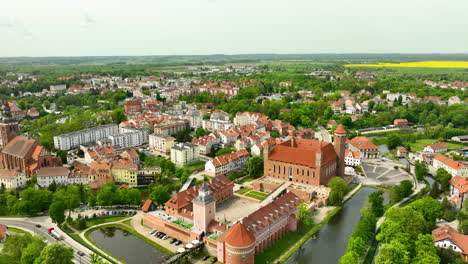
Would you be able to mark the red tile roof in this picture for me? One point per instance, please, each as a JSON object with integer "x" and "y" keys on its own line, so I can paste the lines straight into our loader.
{"x": 340, "y": 129}
{"x": 303, "y": 152}
{"x": 438, "y": 145}
{"x": 362, "y": 143}
{"x": 447, "y": 232}
{"x": 239, "y": 236}
{"x": 146, "y": 206}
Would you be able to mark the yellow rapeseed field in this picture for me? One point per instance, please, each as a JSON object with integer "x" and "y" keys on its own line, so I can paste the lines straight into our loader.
{"x": 419, "y": 64}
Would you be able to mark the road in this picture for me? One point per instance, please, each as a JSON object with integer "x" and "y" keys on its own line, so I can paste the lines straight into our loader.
{"x": 29, "y": 224}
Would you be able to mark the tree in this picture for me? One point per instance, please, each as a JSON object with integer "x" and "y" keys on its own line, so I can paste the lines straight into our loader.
{"x": 403, "y": 224}
{"x": 392, "y": 253}
{"x": 57, "y": 212}
{"x": 358, "y": 245}
{"x": 107, "y": 194}
{"x": 160, "y": 194}
{"x": 376, "y": 200}
{"x": 350, "y": 258}
{"x": 434, "y": 193}
{"x": 420, "y": 170}
{"x": 212, "y": 151}
{"x": 275, "y": 134}
{"x": 303, "y": 214}
{"x": 15, "y": 244}
{"x": 55, "y": 253}
{"x": 430, "y": 209}
{"x": 443, "y": 177}
{"x": 255, "y": 166}
{"x": 200, "y": 132}
{"x": 118, "y": 116}
{"x": 338, "y": 190}
{"x": 32, "y": 251}
{"x": 463, "y": 227}
{"x": 81, "y": 222}
{"x": 393, "y": 141}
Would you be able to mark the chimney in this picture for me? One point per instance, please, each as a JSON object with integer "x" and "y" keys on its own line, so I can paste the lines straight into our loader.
{"x": 276, "y": 212}
{"x": 282, "y": 208}
{"x": 259, "y": 223}
{"x": 266, "y": 218}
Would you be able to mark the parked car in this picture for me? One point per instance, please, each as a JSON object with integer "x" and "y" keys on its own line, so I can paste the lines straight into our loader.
{"x": 173, "y": 241}
{"x": 80, "y": 253}
{"x": 152, "y": 231}
{"x": 178, "y": 242}
{"x": 38, "y": 226}
{"x": 213, "y": 260}
{"x": 205, "y": 258}
{"x": 165, "y": 237}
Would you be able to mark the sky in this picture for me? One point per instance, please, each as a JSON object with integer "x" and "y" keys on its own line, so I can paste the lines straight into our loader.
{"x": 181, "y": 27}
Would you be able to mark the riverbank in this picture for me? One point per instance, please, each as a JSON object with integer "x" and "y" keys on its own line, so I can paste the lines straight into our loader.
{"x": 286, "y": 246}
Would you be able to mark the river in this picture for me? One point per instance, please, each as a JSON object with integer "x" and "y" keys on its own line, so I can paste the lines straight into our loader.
{"x": 332, "y": 238}
{"x": 127, "y": 247}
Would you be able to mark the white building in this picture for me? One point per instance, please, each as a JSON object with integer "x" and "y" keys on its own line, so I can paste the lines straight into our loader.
{"x": 217, "y": 124}
{"x": 451, "y": 166}
{"x": 352, "y": 158}
{"x": 247, "y": 118}
{"x": 129, "y": 138}
{"x": 227, "y": 163}
{"x": 436, "y": 147}
{"x": 160, "y": 143}
{"x": 206, "y": 142}
{"x": 60, "y": 175}
{"x": 184, "y": 154}
{"x": 12, "y": 179}
{"x": 57, "y": 88}
{"x": 84, "y": 137}
{"x": 447, "y": 237}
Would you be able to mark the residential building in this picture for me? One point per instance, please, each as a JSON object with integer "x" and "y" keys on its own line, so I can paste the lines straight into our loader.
{"x": 401, "y": 152}
{"x": 59, "y": 175}
{"x": 216, "y": 124}
{"x": 365, "y": 147}
{"x": 227, "y": 163}
{"x": 12, "y": 178}
{"x": 133, "y": 174}
{"x": 161, "y": 144}
{"x": 451, "y": 166}
{"x": 246, "y": 118}
{"x": 438, "y": 147}
{"x": 184, "y": 154}
{"x": 133, "y": 107}
{"x": 352, "y": 158}
{"x": 84, "y": 137}
{"x": 57, "y": 88}
{"x": 306, "y": 161}
{"x": 454, "y": 100}
{"x": 458, "y": 190}
{"x": 401, "y": 123}
{"x": 171, "y": 128}
{"x": 129, "y": 139}
{"x": 206, "y": 142}
{"x": 449, "y": 238}
{"x": 463, "y": 138}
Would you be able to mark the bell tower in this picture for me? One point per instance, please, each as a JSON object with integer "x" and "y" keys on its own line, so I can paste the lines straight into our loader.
{"x": 9, "y": 128}
{"x": 340, "y": 144}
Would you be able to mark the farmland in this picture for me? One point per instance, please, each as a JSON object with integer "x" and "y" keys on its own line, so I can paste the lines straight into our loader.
{"x": 419, "y": 64}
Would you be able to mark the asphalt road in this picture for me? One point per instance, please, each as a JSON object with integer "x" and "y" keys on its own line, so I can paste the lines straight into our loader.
{"x": 29, "y": 224}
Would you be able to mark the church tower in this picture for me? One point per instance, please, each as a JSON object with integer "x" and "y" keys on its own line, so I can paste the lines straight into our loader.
{"x": 340, "y": 144}
{"x": 204, "y": 209}
{"x": 9, "y": 128}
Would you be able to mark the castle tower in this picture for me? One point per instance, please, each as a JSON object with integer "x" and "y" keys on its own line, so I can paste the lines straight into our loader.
{"x": 239, "y": 245}
{"x": 340, "y": 144}
{"x": 204, "y": 209}
{"x": 9, "y": 128}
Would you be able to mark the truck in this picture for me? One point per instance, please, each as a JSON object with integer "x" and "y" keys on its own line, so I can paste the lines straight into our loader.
{"x": 54, "y": 234}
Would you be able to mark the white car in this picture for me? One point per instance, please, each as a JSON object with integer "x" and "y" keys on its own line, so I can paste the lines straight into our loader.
{"x": 152, "y": 231}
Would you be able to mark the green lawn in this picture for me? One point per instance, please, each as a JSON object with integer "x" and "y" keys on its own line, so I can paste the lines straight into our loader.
{"x": 183, "y": 224}
{"x": 196, "y": 166}
{"x": 16, "y": 230}
{"x": 104, "y": 219}
{"x": 421, "y": 143}
{"x": 243, "y": 191}
{"x": 252, "y": 194}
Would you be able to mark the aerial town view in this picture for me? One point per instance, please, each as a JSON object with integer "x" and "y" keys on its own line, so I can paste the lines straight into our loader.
{"x": 241, "y": 132}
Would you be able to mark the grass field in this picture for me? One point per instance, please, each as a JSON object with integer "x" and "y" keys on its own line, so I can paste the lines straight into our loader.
{"x": 252, "y": 194}
{"x": 421, "y": 143}
{"x": 419, "y": 64}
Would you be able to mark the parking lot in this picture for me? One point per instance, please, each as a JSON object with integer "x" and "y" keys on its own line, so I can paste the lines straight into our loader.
{"x": 383, "y": 172}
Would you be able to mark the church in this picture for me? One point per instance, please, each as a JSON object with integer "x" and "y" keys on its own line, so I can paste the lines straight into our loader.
{"x": 20, "y": 153}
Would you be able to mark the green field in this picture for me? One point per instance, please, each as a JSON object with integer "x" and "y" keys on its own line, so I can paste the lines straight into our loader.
{"x": 252, "y": 194}
{"x": 421, "y": 143}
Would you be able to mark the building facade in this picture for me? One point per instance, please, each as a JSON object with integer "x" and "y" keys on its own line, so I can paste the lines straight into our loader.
{"x": 84, "y": 137}
{"x": 184, "y": 154}
{"x": 161, "y": 144}
{"x": 227, "y": 163}
{"x": 12, "y": 179}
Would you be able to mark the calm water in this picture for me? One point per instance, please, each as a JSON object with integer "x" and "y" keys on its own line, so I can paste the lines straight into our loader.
{"x": 126, "y": 246}
{"x": 332, "y": 238}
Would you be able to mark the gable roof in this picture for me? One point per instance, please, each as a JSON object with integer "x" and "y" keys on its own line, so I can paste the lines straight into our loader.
{"x": 19, "y": 146}
{"x": 362, "y": 143}
{"x": 147, "y": 205}
{"x": 447, "y": 232}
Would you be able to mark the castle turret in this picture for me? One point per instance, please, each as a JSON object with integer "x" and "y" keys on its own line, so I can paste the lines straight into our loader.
{"x": 239, "y": 244}
{"x": 340, "y": 144}
{"x": 204, "y": 209}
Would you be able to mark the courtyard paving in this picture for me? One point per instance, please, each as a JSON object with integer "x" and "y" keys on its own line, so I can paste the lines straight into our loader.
{"x": 383, "y": 172}
{"x": 234, "y": 209}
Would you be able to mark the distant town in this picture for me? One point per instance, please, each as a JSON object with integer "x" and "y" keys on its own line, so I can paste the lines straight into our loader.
{"x": 233, "y": 163}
